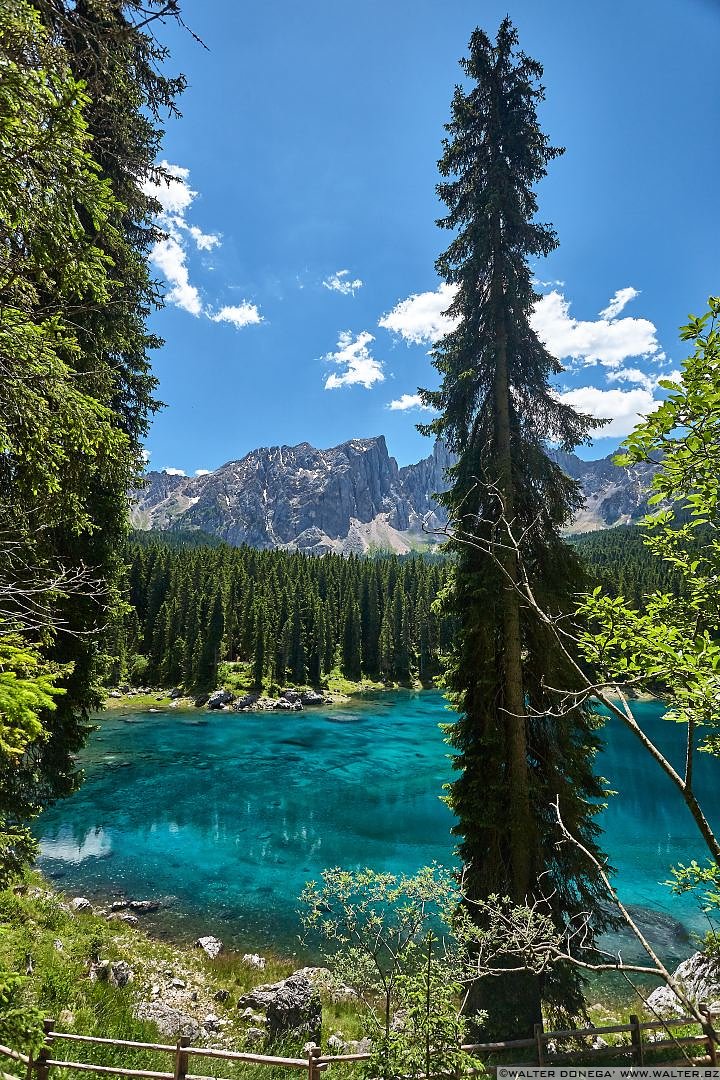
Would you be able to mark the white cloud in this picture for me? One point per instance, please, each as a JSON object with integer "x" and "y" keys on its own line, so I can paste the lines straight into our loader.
{"x": 407, "y": 401}
{"x": 145, "y": 455}
{"x": 624, "y": 408}
{"x": 341, "y": 282}
{"x": 420, "y": 318}
{"x": 169, "y": 257}
{"x": 244, "y": 314}
{"x": 620, "y": 300}
{"x": 607, "y": 340}
{"x": 173, "y": 472}
{"x": 203, "y": 472}
{"x": 204, "y": 241}
{"x": 636, "y": 376}
{"x": 353, "y": 354}
{"x": 172, "y": 191}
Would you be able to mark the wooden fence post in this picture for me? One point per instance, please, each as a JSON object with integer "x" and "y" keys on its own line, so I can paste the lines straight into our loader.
{"x": 539, "y": 1031}
{"x": 637, "y": 1042}
{"x": 314, "y": 1053}
{"x": 181, "y": 1058}
{"x": 710, "y": 1034}
{"x": 41, "y": 1069}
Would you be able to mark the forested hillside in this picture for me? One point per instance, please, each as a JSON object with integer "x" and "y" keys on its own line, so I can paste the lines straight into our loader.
{"x": 619, "y": 561}
{"x": 194, "y": 603}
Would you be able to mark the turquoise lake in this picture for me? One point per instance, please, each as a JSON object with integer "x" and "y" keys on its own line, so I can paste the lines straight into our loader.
{"x": 225, "y": 816}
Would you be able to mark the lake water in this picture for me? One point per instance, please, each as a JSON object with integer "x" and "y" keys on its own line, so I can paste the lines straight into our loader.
{"x": 225, "y": 816}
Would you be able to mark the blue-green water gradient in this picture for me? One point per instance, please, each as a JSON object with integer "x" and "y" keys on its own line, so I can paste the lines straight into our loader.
{"x": 225, "y": 816}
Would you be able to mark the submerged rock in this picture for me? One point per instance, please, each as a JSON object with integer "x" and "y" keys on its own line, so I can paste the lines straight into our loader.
{"x": 144, "y": 905}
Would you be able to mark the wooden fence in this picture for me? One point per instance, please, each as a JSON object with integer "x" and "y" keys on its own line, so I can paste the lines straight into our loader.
{"x": 547, "y": 1048}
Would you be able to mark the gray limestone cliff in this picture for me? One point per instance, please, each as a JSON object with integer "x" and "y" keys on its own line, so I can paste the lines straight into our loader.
{"x": 350, "y": 498}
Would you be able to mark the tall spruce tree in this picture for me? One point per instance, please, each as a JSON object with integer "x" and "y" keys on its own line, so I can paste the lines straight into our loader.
{"x": 498, "y": 414}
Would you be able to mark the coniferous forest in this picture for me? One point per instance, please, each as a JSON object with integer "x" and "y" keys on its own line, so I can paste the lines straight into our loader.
{"x": 288, "y": 617}
{"x": 193, "y": 603}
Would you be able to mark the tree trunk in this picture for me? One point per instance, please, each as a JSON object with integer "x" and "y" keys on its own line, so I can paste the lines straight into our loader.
{"x": 522, "y": 829}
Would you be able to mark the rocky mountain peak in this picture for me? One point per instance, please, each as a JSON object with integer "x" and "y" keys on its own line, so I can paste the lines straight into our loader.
{"x": 349, "y": 498}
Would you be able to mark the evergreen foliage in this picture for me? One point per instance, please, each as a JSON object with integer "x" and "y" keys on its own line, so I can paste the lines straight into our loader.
{"x": 288, "y": 617}
{"x": 79, "y": 102}
{"x": 497, "y": 414}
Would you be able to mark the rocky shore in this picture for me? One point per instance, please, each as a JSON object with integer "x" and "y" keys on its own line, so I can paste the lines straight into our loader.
{"x": 213, "y": 997}
{"x": 156, "y": 700}
{"x": 287, "y": 701}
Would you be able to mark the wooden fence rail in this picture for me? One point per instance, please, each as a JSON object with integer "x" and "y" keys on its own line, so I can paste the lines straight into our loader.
{"x": 543, "y": 1043}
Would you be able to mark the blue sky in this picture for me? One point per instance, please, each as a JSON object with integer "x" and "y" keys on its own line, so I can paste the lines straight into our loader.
{"x": 302, "y": 298}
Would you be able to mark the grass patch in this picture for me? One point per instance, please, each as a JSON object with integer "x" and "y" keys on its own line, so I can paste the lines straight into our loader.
{"x": 41, "y": 933}
{"x": 158, "y": 699}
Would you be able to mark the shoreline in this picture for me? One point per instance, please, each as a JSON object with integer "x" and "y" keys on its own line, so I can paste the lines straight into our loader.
{"x": 161, "y": 700}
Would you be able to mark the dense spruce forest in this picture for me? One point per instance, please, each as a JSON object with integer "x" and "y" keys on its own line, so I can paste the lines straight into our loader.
{"x": 288, "y": 617}
{"x": 619, "y": 561}
{"x": 194, "y": 603}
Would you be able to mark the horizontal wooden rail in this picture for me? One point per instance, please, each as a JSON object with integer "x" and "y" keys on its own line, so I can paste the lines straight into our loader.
{"x": 237, "y": 1055}
{"x": 80, "y": 1066}
{"x": 677, "y": 1021}
{"x": 582, "y": 1033}
{"x": 5, "y": 1051}
{"x": 668, "y": 1044}
{"x": 316, "y": 1063}
{"x": 101, "y": 1041}
{"x": 494, "y": 1047}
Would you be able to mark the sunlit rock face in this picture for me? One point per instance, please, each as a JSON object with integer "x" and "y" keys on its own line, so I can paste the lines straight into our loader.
{"x": 350, "y": 499}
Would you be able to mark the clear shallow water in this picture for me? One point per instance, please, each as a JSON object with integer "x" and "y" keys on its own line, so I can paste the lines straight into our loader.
{"x": 226, "y": 816}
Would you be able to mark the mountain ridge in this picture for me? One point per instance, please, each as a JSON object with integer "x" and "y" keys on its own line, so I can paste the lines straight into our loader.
{"x": 350, "y": 498}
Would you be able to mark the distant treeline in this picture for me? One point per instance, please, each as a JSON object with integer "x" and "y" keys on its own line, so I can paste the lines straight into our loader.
{"x": 194, "y": 602}
{"x": 618, "y": 560}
